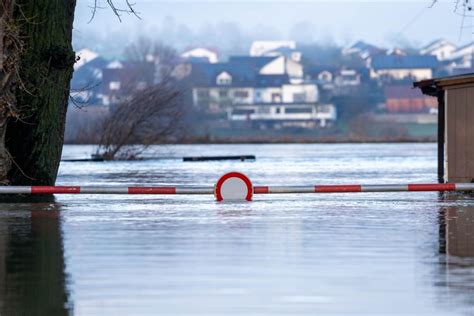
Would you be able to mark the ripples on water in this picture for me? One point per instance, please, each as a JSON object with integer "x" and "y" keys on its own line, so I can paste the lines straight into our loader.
{"x": 390, "y": 253}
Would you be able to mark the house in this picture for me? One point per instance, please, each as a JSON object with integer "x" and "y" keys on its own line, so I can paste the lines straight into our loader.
{"x": 392, "y": 67}
{"x": 289, "y": 53}
{"x": 247, "y": 86}
{"x": 245, "y": 79}
{"x": 201, "y": 54}
{"x": 260, "y": 48}
{"x": 120, "y": 78}
{"x": 405, "y": 99}
{"x": 282, "y": 115}
{"x": 86, "y": 83}
{"x": 462, "y": 57}
{"x": 454, "y": 95}
{"x": 347, "y": 78}
{"x": 440, "y": 48}
{"x": 334, "y": 77}
{"x": 83, "y": 57}
{"x": 363, "y": 50}
{"x": 334, "y": 81}
{"x": 396, "y": 52}
{"x": 272, "y": 65}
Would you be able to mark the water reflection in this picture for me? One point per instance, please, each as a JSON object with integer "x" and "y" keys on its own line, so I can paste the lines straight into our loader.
{"x": 33, "y": 281}
{"x": 456, "y": 247}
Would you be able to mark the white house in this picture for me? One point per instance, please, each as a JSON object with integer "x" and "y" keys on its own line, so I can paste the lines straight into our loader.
{"x": 266, "y": 88}
{"x": 462, "y": 57}
{"x": 84, "y": 56}
{"x": 280, "y": 115}
{"x": 391, "y": 67}
{"x": 347, "y": 77}
{"x": 201, "y": 53}
{"x": 282, "y": 65}
{"x": 441, "y": 48}
{"x": 291, "y": 54}
{"x": 260, "y": 48}
{"x": 363, "y": 50}
{"x": 287, "y": 93}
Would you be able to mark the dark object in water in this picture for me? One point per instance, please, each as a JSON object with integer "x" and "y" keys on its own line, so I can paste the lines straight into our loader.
{"x": 93, "y": 158}
{"x": 216, "y": 158}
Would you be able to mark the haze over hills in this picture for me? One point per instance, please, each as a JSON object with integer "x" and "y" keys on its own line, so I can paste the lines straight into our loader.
{"x": 232, "y": 25}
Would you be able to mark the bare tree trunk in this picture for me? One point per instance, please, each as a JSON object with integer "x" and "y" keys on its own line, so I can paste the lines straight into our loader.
{"x": 5, "y": 163}
{"x": 8, "y": 57}
{"x": 44, "y": 72}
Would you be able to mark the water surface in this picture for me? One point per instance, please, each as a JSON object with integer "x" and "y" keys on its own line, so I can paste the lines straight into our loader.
{"x": 368, "y": 253}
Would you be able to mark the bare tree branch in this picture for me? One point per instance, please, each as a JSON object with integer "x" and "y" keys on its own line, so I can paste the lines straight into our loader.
{"x": 128, "y": 8}
{"x": 432, "y": 3}
{"x": 143, "y": 116}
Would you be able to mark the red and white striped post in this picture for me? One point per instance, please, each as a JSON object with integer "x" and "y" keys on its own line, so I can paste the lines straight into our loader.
{"x": 236, "y": 186}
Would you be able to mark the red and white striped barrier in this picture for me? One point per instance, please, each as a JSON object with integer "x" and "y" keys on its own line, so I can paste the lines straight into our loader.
{"x": 236, "y": 186}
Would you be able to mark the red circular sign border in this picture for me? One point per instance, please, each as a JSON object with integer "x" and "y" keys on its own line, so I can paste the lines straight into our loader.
{"x": 229, "y": 175}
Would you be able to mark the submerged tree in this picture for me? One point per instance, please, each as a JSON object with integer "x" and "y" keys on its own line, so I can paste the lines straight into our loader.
{"x": 36, "y": 65}
{"x": 147, "y": 117}
{"x": 143, "y": 115}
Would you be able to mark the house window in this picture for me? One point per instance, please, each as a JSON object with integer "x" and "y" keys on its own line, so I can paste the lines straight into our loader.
{"x": 277, "y": 111}
{"x": 299, "y": 97}
{"x": 276, "y": 97}
{"x": 203, "y": 94}
{"x": 243, "y": 111}
{"x": 241, "y": 94}
{"x": 325, "y": 76}
{"x": 224, "y": 79}
{"x": 114, "y": 85}
{"x": 223, "y": 93}
{"x": 298, "y": 110}
{"x": 325, "y": 109}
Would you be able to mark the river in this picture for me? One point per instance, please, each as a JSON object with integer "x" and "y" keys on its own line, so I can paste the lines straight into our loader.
{"x": 329, "y": 254}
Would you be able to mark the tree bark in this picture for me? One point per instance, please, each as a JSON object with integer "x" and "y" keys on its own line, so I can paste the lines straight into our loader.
{"x": 45, "y": 68}
{"x": 8, "y": 58}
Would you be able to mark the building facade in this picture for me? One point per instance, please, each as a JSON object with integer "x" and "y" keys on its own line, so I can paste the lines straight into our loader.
{"x": 265, "y": 90}
{"x": 394, "y": 67}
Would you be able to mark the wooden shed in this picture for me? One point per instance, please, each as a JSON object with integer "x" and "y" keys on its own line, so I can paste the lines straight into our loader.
{"x": 455, "y": 125}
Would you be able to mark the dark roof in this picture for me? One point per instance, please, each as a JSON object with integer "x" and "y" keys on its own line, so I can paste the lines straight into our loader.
{"x": 132, "y": 71}
{"x": 404, "y": 62}
{"x": 366, "y": 48}
{"x": 257, "y": 62}
{"x": 462, "y": 71}
{"x": 402, "y": 92}
{"x": 90, "y": 74}
{"x": 361, "y": 45}
{"x": 205, "y": 75}
{"x": 283, "y": 50}
{"x": 243, "y": 69}
{"x": 315, "y": 70}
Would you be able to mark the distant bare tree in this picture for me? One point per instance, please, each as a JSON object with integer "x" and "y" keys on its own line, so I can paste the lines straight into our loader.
{"x": 143, "y": 116}
{"x": 145, "y": 50}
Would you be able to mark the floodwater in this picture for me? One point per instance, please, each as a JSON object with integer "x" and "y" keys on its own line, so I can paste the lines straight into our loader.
{"x": 334, "y": 254}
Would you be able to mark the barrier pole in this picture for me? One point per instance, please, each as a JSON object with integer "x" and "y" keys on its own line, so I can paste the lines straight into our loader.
{"x": 195, "y": 190}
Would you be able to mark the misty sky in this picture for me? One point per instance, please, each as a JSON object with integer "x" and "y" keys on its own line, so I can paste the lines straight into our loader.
{"x": 225, "y": 23}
